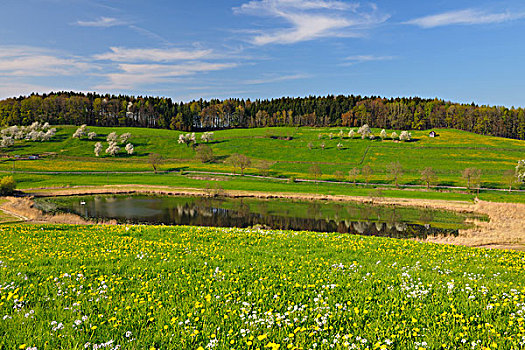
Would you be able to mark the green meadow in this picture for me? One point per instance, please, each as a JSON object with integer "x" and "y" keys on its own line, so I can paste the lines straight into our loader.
{"x": 285, "y": 150}
{"x": 153, "y": 287}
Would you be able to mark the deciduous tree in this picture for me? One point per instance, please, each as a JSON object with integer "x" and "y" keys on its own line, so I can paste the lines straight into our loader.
{"x": 98, "y": 148}
{"x": 428, "y": 175}
{"x": 396, "y": 171}
{"x": 520, "y": 170}
{"x": 130, "y": 149}
{"x": 154, "y": 159}
{"x": 472, "y": 175}
{"x": 352, "y": 174}
{"x": 315, "y": 171}
{"x": 366, "y": 171}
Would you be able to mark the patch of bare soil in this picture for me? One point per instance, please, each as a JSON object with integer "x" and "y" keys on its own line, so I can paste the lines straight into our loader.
{"x": 24, "y": 209}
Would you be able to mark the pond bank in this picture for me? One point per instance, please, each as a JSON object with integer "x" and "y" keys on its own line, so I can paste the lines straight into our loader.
{"x": 505, "y": 230}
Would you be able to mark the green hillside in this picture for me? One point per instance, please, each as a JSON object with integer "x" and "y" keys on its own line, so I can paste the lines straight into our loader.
{"x": 448, "y": 154}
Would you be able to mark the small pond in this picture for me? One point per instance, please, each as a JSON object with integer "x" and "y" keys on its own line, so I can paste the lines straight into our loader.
{"x": 320, "y": 216}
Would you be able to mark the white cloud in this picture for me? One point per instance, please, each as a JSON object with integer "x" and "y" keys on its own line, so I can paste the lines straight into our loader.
{"x": 16, "y": 61}
{"x": 102, "y": 22}
{"x": 133, "y": 75}
{"x": 367, "y": 58}
{"x": 464, "y": 17}
{"x": 120, "y": 54}
{"x": 276, "y": 79}
{"x": 14, "y": 89}
{"x": 310, "y": 19}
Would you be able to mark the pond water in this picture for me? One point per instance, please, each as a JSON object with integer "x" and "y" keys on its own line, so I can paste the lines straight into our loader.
{"x": 320, "y": 216}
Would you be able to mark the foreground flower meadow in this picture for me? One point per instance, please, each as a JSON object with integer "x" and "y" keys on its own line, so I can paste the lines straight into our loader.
{"x": 144, "y": 287}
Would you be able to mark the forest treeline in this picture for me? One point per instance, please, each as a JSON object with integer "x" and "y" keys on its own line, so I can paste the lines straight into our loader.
{"x": 159, "y": 112}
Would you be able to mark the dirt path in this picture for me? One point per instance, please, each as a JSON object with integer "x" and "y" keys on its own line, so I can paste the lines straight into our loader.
{"x": 505, "y": 230}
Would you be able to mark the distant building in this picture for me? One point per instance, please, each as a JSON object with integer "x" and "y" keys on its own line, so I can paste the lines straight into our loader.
{"x": 33, "y": 157}
{"x": 432, "y": 134}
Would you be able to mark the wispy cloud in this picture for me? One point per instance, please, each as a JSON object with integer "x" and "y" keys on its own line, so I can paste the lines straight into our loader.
{"x": 465, "y": 17}
{"x": 350, "y": 60}
{"x": 276, "y": 79}
{"x": 15, "y": 89}
{"x": 310, "y": 19}
{"x": 18, "y": 61}
{"x": 130, "y": 68}
{"x": 102, "y": 22}
{"x": 120, "y": 54}
{"x": 131, "y": 76}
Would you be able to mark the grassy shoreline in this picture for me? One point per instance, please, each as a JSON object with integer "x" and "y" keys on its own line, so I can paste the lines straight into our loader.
{"x": 222, "y": 183}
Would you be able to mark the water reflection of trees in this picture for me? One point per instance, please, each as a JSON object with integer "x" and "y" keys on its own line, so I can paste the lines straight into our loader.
{"x": 377, "y": 221}
{"x": 241, "y": 216}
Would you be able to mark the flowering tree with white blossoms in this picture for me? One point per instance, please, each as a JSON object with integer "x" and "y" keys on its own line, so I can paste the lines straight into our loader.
{"x": 112, "y": 137}
{"x": 520, "y": 170}
{"x": 207, "y": 137}
{"x": 129, "y": 148}
{"x": 80, "y": 132}
{"x": 112, "y": 149}
{"x": 187, "y": 138}
{"x": 365, "y": 131}
{"x": 98, "y": 148}
{"x": 125, "y": 137}
{"x": 405, "y": 136}
{"x": 7, "y": 141}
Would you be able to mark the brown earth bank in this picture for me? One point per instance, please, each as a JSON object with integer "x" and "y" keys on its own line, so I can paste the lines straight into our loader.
{"x": 505, "y": 230}
{"x": 23, "y": 208}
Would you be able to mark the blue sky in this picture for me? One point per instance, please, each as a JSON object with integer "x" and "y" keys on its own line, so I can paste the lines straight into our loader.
{"x": 457, "y": 50}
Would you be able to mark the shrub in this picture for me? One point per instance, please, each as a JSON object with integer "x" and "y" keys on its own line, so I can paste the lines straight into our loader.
{"x": 204, "y": 153}
{"x": 7, "y": 185}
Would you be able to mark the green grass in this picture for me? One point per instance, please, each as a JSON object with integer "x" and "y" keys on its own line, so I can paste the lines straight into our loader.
{"x": 25, "y": 181}
{"x": 140, "y": 287}
{"x": 448, "y": 154}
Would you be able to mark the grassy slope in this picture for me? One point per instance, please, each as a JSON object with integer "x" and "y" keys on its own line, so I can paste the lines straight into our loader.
{"x": 248, "y": 184}
{"x": 448, "y": 154}
{"x": 186, "y": 287}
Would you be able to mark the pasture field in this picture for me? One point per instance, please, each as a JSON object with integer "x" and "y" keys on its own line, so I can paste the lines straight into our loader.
{"x": 147, "y": 287}
{"x": 448, "y": 154}
{"x": 246, "y": 185}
